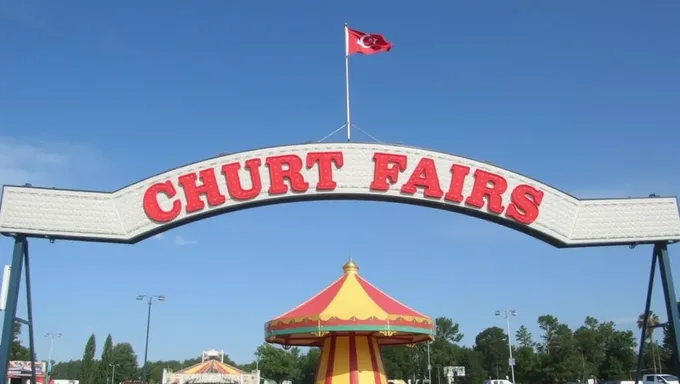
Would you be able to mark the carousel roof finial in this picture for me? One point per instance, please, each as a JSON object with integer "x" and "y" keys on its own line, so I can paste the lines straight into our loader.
{"x": 350, "y": 267}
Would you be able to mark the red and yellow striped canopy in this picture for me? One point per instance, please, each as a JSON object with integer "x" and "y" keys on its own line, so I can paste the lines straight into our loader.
{"x": 211, "y": 366}
{"x": 350, "y": 305}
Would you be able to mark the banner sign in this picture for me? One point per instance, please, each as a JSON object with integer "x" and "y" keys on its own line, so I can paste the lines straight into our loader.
{"x": 23, "y": 368}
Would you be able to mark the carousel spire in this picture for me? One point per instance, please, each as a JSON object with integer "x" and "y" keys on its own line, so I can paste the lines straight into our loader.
{"x": 350, "y": 267}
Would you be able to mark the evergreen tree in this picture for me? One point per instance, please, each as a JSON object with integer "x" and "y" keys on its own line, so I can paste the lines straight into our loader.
{"x": 104, "y": 371}
{"x": 88, "y": 373}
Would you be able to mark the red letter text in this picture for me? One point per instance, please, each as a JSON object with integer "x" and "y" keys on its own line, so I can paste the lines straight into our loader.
{"x": 387, "y": 168}
{"x": 525, "y": 203}
{"x": 234, "y": 186}
{"x": 151, "y": 207}
{"x": 492, "y": 187}
{"x": 193, "y": 192}
{"x": 325, "y": 161}
{"x": 278, "y": 175}
{"x": 458, "y": 175}
{"x": 424, "y": 176}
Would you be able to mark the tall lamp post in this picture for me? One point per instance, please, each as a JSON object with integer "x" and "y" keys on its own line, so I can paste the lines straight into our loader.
{"x": 52, "y": 336}
{"x": 113, "y": 372}
{"x": 508, "y": 313}
{"x": 149, "y": 299}
{"x": 429, "y": 365}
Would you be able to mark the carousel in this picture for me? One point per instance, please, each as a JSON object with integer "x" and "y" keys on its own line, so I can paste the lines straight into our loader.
{"x": 350, "y": 320}
{"x": 211, "y": 370}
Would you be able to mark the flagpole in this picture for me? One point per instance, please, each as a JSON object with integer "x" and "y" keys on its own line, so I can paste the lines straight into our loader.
{"x": 349, "y": 119}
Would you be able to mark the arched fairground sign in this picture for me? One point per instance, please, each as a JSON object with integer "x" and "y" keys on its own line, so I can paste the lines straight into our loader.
{"x": 349, "y": 171}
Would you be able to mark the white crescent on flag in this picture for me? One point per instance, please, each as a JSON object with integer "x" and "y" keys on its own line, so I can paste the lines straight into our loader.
{"x": 366, "y": 41}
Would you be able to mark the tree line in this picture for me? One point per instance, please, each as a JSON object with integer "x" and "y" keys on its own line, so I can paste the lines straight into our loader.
{"x": 557, "y": 355}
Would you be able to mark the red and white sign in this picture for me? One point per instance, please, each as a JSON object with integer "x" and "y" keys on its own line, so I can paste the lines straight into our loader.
{"x": 337, "y": 171}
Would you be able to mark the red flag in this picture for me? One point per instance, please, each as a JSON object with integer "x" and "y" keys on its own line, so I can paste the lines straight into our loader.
{"x": 365, "y": 43}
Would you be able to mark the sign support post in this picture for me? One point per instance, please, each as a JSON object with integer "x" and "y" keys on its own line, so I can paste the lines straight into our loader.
{"x": 660, "y": 256}
{"x": 29, "y": 314}
{"x": 661, "y": 251}
{"x": 19, "y": 260}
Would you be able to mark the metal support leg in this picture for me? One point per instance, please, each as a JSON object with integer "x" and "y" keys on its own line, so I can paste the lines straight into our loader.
{"x": 20, "y": 244}
{"x": 661, "y": 250}
{"x": 648, "y": 304}
{"x": 29, "y": 314}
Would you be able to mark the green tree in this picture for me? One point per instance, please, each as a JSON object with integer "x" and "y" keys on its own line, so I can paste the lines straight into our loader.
{"x": 397, "y": 361}
{"x": 619, "y": 352}
{"x": 67, "y": 370}
{"x": 473, "y": 361}
{"x": 18, "y": 351}
{"x": 591, "y": 347}
{"x": 560, "y": 361}
{"x": 526, "y": 359}
{"x": 308, "y": 364}
{"x": 155, "y": 373}
{"x": 448, "y": 330}
{"x": 103, "y": 368}
{"x": 444, "y": 353}
{"x": 595, "y": 350}
{"x": 123, "y": 355}
{"x": 492, "y": 344}
{"x": 88, "y": 367}
{"x": 524, "y": 338}
{"x": 277, "y": 364}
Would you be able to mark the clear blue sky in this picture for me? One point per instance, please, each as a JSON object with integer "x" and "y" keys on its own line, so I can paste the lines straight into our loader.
{"x": 583, "y": 95}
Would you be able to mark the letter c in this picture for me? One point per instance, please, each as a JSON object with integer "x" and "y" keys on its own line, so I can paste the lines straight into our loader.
{"x": 151, "y": 207}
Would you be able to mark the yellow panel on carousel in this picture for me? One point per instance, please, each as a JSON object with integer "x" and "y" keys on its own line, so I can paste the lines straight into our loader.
{"x": 352, "y": 301}
{"x": 323, "y": 361}
{"x": 353, "y": 359}
{"x": 364, "y": 360}
{"x": 341, "y": 360}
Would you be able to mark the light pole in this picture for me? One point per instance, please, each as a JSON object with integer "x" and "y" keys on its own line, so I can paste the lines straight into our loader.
{"x": 508, "y": 314}
{"x": 113, "y": 372}
{"x": 429, "y": 366}
{"x": 52, "y": 336}
{"x": 149, "y": 299}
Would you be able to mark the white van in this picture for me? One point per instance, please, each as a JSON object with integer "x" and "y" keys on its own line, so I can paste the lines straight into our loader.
{"x": 660, "y": 378}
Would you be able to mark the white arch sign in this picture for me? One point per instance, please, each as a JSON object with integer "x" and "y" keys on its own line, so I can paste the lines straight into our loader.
{"x": 336, "y": 171}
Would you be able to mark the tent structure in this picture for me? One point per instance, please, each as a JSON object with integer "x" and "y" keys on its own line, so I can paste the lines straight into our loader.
{"x": 211, "y": 370}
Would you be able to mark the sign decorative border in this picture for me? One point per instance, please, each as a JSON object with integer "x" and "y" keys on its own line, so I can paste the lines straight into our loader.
{"x": 358, "y": 171}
